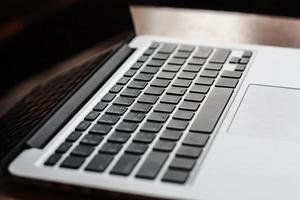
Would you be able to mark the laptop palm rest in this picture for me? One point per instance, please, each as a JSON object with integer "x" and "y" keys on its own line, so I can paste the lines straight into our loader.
{"x": 268, "y": 112}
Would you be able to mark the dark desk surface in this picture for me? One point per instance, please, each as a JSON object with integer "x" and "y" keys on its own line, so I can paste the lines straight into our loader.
{"x": 214, "y": 26}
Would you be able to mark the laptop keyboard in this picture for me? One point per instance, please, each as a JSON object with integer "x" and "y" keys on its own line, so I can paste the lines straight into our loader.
{"x": 159, "y": 116}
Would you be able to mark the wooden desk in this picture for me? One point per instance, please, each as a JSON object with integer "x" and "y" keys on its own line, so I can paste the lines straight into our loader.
{"x": 214, "y": 26}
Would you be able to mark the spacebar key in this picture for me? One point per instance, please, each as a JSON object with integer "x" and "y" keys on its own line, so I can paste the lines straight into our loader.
{"x": 212, "y": 109}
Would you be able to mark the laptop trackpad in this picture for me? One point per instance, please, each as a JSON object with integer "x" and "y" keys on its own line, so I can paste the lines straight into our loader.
{"x": 270, "y": 112}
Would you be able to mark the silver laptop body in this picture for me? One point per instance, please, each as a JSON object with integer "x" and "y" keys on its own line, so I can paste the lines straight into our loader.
{"x": 252, "y": 152}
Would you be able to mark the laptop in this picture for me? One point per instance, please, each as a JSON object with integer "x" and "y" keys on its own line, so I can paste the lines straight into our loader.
{"x": 175, "y": 119}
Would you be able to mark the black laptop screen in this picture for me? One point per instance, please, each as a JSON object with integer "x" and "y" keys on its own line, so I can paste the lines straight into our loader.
{"x": 50, "y": 39}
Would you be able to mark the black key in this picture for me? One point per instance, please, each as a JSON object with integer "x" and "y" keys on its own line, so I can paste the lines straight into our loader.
{"x": 234, "y": 60}
{"x": 164, "y": 145}
{"x": 127, "y": 127}
{"x": 130, "y": 92}
{"x": 166, "y": 75}
{"x": 171, "y": 68}
{"x": 146, "y": 99}
{"x": 173, "y": 135}
{"x": 160, "y": 56}
{"x": 137, "y": 84}
{"x": 90, "y": 139}
{"x": 154, "y": 45}
{"x": 200, "y": 89}
{"x": 189, "y": 152}
{"x": 134, "y": 117}
{"x": 141, "y": 107}
{"x": 116, "y": 110}
{"x": 143, "y": 58}
{"x": 119, "y": 137}
{"x": 244, "y": 60}
{"x": 136, "y": 65}
{"x": 144, "y": 137}
{"x": 191, "y": 106}
{"x": 192, "y": 68}
{"x": 196, "y": 97}
{"x": 175, "y": 176}
{"x": 109, "y": 119}
{"x": 176, "y": 61}
{"x": 108, "y": 97}
{"x": 196, "y": 139}
{"x": 148, "y": 52}
{"x": 111, "y": 148}
{"x": 92, "y": 116}
{"x": 231, "y": 74}
{"x": 155, "y": 63}
{"x": 100, "y": 106}
{"x": 227, "y": 82}
{"x": 160, "y": 83}
{"x": 182, "y": 163}
{"x": 167, "y": 48}
{"x": 247, "y": 54}
{"x": 73, "y": 136}
{"x": 203, "y": 52}
{"x": 177, "y": 124}
{"x": 197, "y": 61}
{"x": 176, "y": 91}
{"x": 82, "y": 150}
{"x": 211, "y": 111}
{"x": 187, "y": 75}
{"x": 214, "y": 66}
{"x": 154, "y": 91}
{"x": 184, "y": 55}
{"x": 204, "y": 81}
{"x": 182, "y": 83}
{"x": 124, "y": 101}
{"x": 143, "y": 77}
{"x": 165, "y": 108}
{"x": 99, "y": 163}
{"x": 152, "y": 165}
{"x": 101, "y": 129}
{"x": 183, "y": 115}
{"x": 136, "y": 148}
{"x": 220, "y": 56}
{"x": 209, "y": 73}
{"x": 53, "y": 159}
{"x": 64, "y": 147}
{"x": 72, "y": 162}
{"x": 186, "y": 48}
{"x": 82, "y": 126}
{"x": 152, "y": 127}
{"x": 158, "y": 117}
{"x": 125, "y": 164}
{"x": 170, "y": 99}
{"x": 240, "y": 67}
{"x": 116, "y": 89}
{"x": 150, "y": 70}
{"x": 123, "y": 81}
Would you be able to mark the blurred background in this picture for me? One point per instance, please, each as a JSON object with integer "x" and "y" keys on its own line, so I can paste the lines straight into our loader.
{"x": 36, "y": 34}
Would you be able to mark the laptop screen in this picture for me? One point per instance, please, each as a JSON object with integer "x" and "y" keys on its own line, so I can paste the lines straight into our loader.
{"x": 40, "y": 37}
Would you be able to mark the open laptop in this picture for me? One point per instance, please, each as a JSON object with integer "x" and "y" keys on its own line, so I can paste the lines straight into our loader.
{"x": 173, "y": 119}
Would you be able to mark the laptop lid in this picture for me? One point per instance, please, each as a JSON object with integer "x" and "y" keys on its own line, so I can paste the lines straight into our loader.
{"x": 79, "y": 26}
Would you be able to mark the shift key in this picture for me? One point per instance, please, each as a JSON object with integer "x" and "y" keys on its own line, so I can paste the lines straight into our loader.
{"x": 212, "y": 110}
